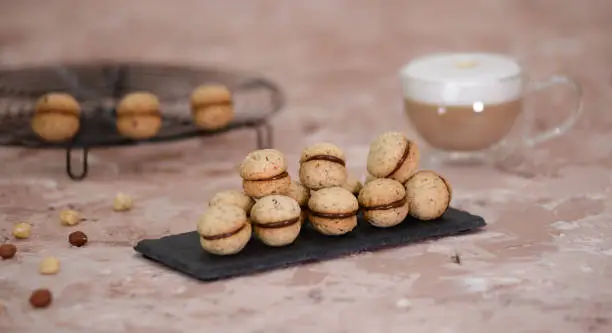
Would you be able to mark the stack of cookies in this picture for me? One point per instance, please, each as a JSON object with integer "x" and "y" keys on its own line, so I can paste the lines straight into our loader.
{"x": 274, "y": 207}
{"x": 392, "y": 165}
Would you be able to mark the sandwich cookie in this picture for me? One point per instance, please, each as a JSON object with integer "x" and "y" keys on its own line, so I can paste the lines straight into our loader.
{"x": 224, "y": 230}
{"x": 233, "y": 197}
{"x": 429, "y": 195}
{"x": 139, "y": 116}
{"x": 322, "y": 165}
{"x": 264, "y": 172}
{"x": 384, "y": 202}
{"x": 393, "y": 156}
{"x": 301, "y": 194}
{"x": 352, "y": 185}
{"x": 333, "y": 211}
{"x": 276, "y": 220}
{"x": 212, "y": 107}
{"x": 57, "y": 117}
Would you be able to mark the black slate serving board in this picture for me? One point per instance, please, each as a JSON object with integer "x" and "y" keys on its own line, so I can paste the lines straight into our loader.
{"x": 183, "y": 253}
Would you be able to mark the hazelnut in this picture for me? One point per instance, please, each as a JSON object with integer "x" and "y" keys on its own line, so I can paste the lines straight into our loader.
{"x": 41, "y": 298}
{"x": 49, "y": 266}
{"x": 77, "y": 238}
{"x": 69, "y": 217}
{"x": 122, "y": 203}
{"x": 7, "y": 251}
{"x": 22, "y": 230}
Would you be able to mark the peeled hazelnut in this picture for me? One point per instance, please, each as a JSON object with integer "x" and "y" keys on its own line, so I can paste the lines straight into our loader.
{"x": 70, "y": 217}
{"x": 7, "y": 251}
{"x": 41, "y": 298}
{"x": 49, "y": 266}
{"x": 22, "y": 230}
{"x": 77, "y": 238}
{"x": 122, "y": 203}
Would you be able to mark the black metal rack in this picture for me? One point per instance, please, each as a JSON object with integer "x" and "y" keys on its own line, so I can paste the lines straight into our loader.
{"x": 98, "y": 87}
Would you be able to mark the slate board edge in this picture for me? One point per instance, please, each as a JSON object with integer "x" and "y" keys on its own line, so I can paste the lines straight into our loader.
{"x": 142, "y": 247}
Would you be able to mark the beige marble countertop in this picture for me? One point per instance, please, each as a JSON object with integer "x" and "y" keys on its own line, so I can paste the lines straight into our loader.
{"x": 543, "y": 265}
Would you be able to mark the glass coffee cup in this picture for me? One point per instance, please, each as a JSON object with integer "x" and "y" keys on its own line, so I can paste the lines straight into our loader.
{"x": 465, "y": 106}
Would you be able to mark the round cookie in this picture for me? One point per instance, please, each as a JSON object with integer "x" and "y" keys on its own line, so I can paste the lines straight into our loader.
{"x": 333, "y": 211}
{"x": 233, "y": 197}
{"x": 224, "y": 230}
{"x": 139, "y": 116}
{"x": 264, "y": 172}
{"x": 276, "y": 220}
{"x": 56, "y": 118}
{"x": 393, "y": 156}
{"x": 384, "y": 202}
{"x": 212, "y": 107}
{"x": 429, "y": 195}
{"x": 352, "y": 185}
{"x": 322, "y": 165}
{"x": 301, "y": 194}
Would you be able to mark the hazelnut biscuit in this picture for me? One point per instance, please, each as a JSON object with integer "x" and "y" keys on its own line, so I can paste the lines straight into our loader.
{"x": 322, "y": 165}
{"x": 393, "y": 156}
{"x": 429, "y": 195}
{"x": 212, "y": 107}
{"x": 264, "y": 172}
{"x": 224, "y": 230}
{"x": 276, "y": 220}
{"x": 352, "y": 185}
{"x": 139, "y": 116}
{"x": 233, "y": 197}
{"x": 301, "y": 194}
{"x": 384, "y": 202}
{"x": 57, "y": 117}
{"x": 333, "y": 211}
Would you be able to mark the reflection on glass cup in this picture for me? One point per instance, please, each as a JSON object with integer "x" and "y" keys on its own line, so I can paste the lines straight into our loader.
{"x": 465, "y": 104}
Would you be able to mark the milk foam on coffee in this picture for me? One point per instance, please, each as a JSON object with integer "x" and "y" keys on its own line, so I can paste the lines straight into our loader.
{"x": 462, "y": 79}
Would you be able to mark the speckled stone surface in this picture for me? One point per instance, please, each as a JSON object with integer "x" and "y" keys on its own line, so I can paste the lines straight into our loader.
{"x": 543, "y": 265}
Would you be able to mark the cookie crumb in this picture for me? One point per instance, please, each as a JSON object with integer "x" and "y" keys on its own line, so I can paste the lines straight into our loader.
{"x": 49, "y": 266}
{"x": 69, "y": 217}
{"x": 456, "y": 258}
{"x": 403, "y": 303}
{"x": 122, "y": 203}
{"x": 22, "y": 230}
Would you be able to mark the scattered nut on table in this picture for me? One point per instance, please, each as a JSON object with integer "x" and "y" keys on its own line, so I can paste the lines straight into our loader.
{"x": 77, "y": 238}
{"x": 7, "y": 251}
{"x": 70, "y": 217}
{"x": 122, "y": 203}
{"x": 41, "y": 298}
{"x": 22, "y": 230}
{"x": 49, "y": 266}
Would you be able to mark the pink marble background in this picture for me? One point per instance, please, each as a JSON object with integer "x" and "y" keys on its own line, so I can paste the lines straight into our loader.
{"x": 543, "y": 265}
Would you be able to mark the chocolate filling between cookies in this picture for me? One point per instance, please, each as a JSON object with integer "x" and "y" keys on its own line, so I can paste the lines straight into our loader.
{"x": 277, "y": 177}
{"x": 392, "y": 205}
{"x": 224, "y": 235}
{"x": 136, "y": 114}
{"x": 53, "y": 111}
{"x": 401, "y": 160}
{"x": 334, "y": 215}
{"x": 207, "y": 105}
{"x": 278, "y": 225}
{"x": 327, "y": 158}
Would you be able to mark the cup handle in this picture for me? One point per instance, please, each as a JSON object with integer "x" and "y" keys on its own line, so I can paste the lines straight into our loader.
{"x": 575, "y": 114}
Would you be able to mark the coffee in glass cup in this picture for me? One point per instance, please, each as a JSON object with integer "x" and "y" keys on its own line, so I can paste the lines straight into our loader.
{"x": 464, "y": 105}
